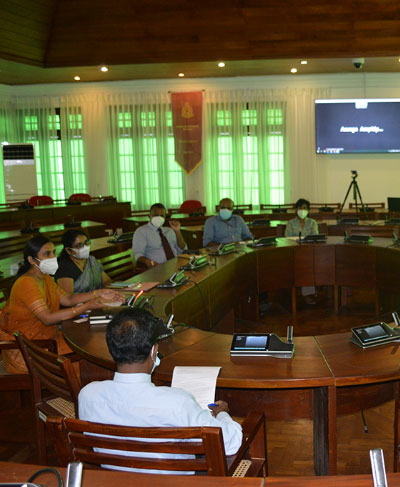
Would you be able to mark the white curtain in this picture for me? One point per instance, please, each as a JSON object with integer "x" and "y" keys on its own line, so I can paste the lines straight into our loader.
{"x": 306, "y": 175}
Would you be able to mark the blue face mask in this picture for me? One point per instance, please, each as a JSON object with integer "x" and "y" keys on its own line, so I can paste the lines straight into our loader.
{"x": 156, "y": 362}
{"x": 225, "y": 214}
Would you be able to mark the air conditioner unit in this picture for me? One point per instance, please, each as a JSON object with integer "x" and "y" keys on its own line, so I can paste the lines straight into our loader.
{"x": 19, "y": 171}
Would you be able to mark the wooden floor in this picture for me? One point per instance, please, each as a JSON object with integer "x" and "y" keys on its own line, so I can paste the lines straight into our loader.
{"x": 290, "y": 446}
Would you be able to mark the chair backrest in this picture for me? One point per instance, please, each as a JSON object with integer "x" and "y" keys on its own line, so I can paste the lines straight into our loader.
{"x": 352, "y": 206}
{"x": 285, "y": 206}
{"x": 73, "y": 443}
{"x": 119, "y": 266}
{"x": 189, "y": 205}
{"x": 82, "y": 197}
{"x": 46, "y": 368}
{"x": 40, "y": 200}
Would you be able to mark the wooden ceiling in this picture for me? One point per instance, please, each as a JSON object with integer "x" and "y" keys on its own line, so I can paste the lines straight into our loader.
{"x": 47, "y": 40}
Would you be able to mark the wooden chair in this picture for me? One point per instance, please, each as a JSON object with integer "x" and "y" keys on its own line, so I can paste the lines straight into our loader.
{"x": 239, "y": 208}
{"x": 121, "y": 266}
{"x": 190, "y": 206}
{"x": 40, "y": 200}
{"x": 55, "y": 374}
{"x": 371, "y": 206}
{"x": 79, "y": 198}
{"x": 72, "y": 443}
{"x": 277, "y": 208}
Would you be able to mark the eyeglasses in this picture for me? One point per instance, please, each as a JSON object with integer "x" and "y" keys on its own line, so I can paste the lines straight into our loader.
{"x": 82, "y": 244}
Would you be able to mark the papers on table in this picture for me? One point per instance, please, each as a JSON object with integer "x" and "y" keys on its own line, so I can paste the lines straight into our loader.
{"x": 199, "y": 381}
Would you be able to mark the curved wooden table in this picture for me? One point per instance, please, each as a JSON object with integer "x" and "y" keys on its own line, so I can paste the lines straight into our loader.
{"x": 327, "y": 376}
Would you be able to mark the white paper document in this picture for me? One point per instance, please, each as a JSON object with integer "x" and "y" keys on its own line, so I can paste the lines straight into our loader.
{"x": 199, "y": 381}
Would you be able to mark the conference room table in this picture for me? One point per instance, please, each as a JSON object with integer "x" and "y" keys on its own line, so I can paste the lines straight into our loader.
{"x": 193, "y": 234}
{"x": 130, "y": 224}
{"x": 17, "y": 472}
{"x": 109, "y": 212}
{"x": 328, "y": 374}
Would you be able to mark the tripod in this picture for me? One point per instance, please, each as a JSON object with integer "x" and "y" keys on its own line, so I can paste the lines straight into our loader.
{"x": 356, "y": 192}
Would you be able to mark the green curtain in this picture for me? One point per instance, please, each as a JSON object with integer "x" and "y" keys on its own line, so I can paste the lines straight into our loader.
{"x": 245, "y": 143}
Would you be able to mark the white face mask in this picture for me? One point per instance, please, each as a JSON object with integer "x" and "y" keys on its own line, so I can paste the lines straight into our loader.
{"x": 82, "y": 253}
{"x": 156, "y": 362}
{"x": 225, "y": 214}
{"x": 157, "y": 221}
{"x": 48, "y": 266}
{"x": 302, "y": 214}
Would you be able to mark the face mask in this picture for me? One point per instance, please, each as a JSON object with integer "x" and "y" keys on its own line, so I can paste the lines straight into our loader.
{"x": 82, "y": 253}
{"x": 225, "y": 214}
{"x": 156, "y": 362}
{"x": 302, "y": 213}
{"x": 48, "y": 266}
{"x": 157, "y": 221}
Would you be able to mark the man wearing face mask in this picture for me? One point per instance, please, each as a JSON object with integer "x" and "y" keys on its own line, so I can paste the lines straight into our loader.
{"x": 154, "y": 244}
{"x": 304, "y": 226}
{"x": 131, "y": 399}
{"x": 225, "y": 227}
{"x": 78, "y": 271}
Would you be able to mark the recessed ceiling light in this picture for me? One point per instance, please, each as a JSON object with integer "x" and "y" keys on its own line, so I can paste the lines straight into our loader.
{"x": 77, "y": 78}
{"x": 181, "y": 75}
{"x": 221, "y": 64}
{"x": 304, "y": 62}
{"x": 104, "y": 69}
{"x": 293, "y": 70}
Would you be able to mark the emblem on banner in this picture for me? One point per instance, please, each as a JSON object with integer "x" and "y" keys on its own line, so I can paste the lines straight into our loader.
{"x": 187, "y": 111}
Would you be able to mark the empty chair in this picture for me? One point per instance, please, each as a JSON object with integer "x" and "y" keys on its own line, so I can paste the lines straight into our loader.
{"x": 79, "y": 198}
{"x": 56, "y": 374}
{"x": 120, "y": 266}
{"x": 190, "y": 206}
{"x": 40, "y": 200}
{"x": 73, "y": 444}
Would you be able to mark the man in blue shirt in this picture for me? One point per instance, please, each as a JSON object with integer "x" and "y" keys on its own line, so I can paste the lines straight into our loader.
{"x": 131, "y": 399}
{"x": 225, "y": 227}
{"x": 154, "y": 244}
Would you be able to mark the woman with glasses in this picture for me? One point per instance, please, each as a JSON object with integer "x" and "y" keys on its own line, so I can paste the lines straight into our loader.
{"x": 34, "y": 307}
{"x": 78, "y": 271}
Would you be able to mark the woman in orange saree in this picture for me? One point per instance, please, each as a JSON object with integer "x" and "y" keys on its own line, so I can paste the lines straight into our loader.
{"x": 34, "y": 304}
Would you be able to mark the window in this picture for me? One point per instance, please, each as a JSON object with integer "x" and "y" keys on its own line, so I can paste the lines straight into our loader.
{"x": 59, "y": 160}
{"x": 148, "y": 172}
{"x": 250, "y": 154}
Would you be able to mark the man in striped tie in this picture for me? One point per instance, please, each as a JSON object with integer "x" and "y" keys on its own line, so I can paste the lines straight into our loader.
{"x": 153, "y": 243}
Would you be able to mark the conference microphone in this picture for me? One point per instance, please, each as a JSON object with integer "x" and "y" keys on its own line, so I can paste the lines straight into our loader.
{"x": 74, "y": 474}
{"x": 290, "y": 334}
{"x": 396, "y": 318}
{"x": 378, "y": 467}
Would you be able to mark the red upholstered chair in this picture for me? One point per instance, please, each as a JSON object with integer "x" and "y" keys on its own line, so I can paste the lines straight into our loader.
{"x": 189, "y": 205}
{"x": 81, "y": 197}
{"x": 40, "y": 200}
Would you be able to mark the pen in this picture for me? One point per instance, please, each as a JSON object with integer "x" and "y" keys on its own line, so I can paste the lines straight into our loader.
{"x": 212, "y": 405}
{"x": 83, "y": 316}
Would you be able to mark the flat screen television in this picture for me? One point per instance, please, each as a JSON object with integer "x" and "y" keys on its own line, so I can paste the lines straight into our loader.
{"x": 364, "y": 125}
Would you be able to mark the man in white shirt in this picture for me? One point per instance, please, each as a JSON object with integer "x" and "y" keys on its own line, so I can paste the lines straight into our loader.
{"x": 131, "y": 399}
{"x": 153, "y": 243}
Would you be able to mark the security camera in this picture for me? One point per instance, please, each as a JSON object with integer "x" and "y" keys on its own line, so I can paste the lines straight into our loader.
{"x": 358, "y": 62}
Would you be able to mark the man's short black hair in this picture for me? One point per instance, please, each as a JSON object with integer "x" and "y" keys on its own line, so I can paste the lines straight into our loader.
{"x": 131, "y": 335}
{"x": 157, "y": 205}
{"x": 302, "y": 202}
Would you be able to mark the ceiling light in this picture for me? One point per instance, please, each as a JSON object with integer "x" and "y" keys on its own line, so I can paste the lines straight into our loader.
{"x": 77, "y": 78}
{"x": 304, "y": 62}
{"x": 181, "y": 75}
{"x": 293, "y": 70}
{"x": 221, "y": 64}
{"x": 104, "y": 69}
